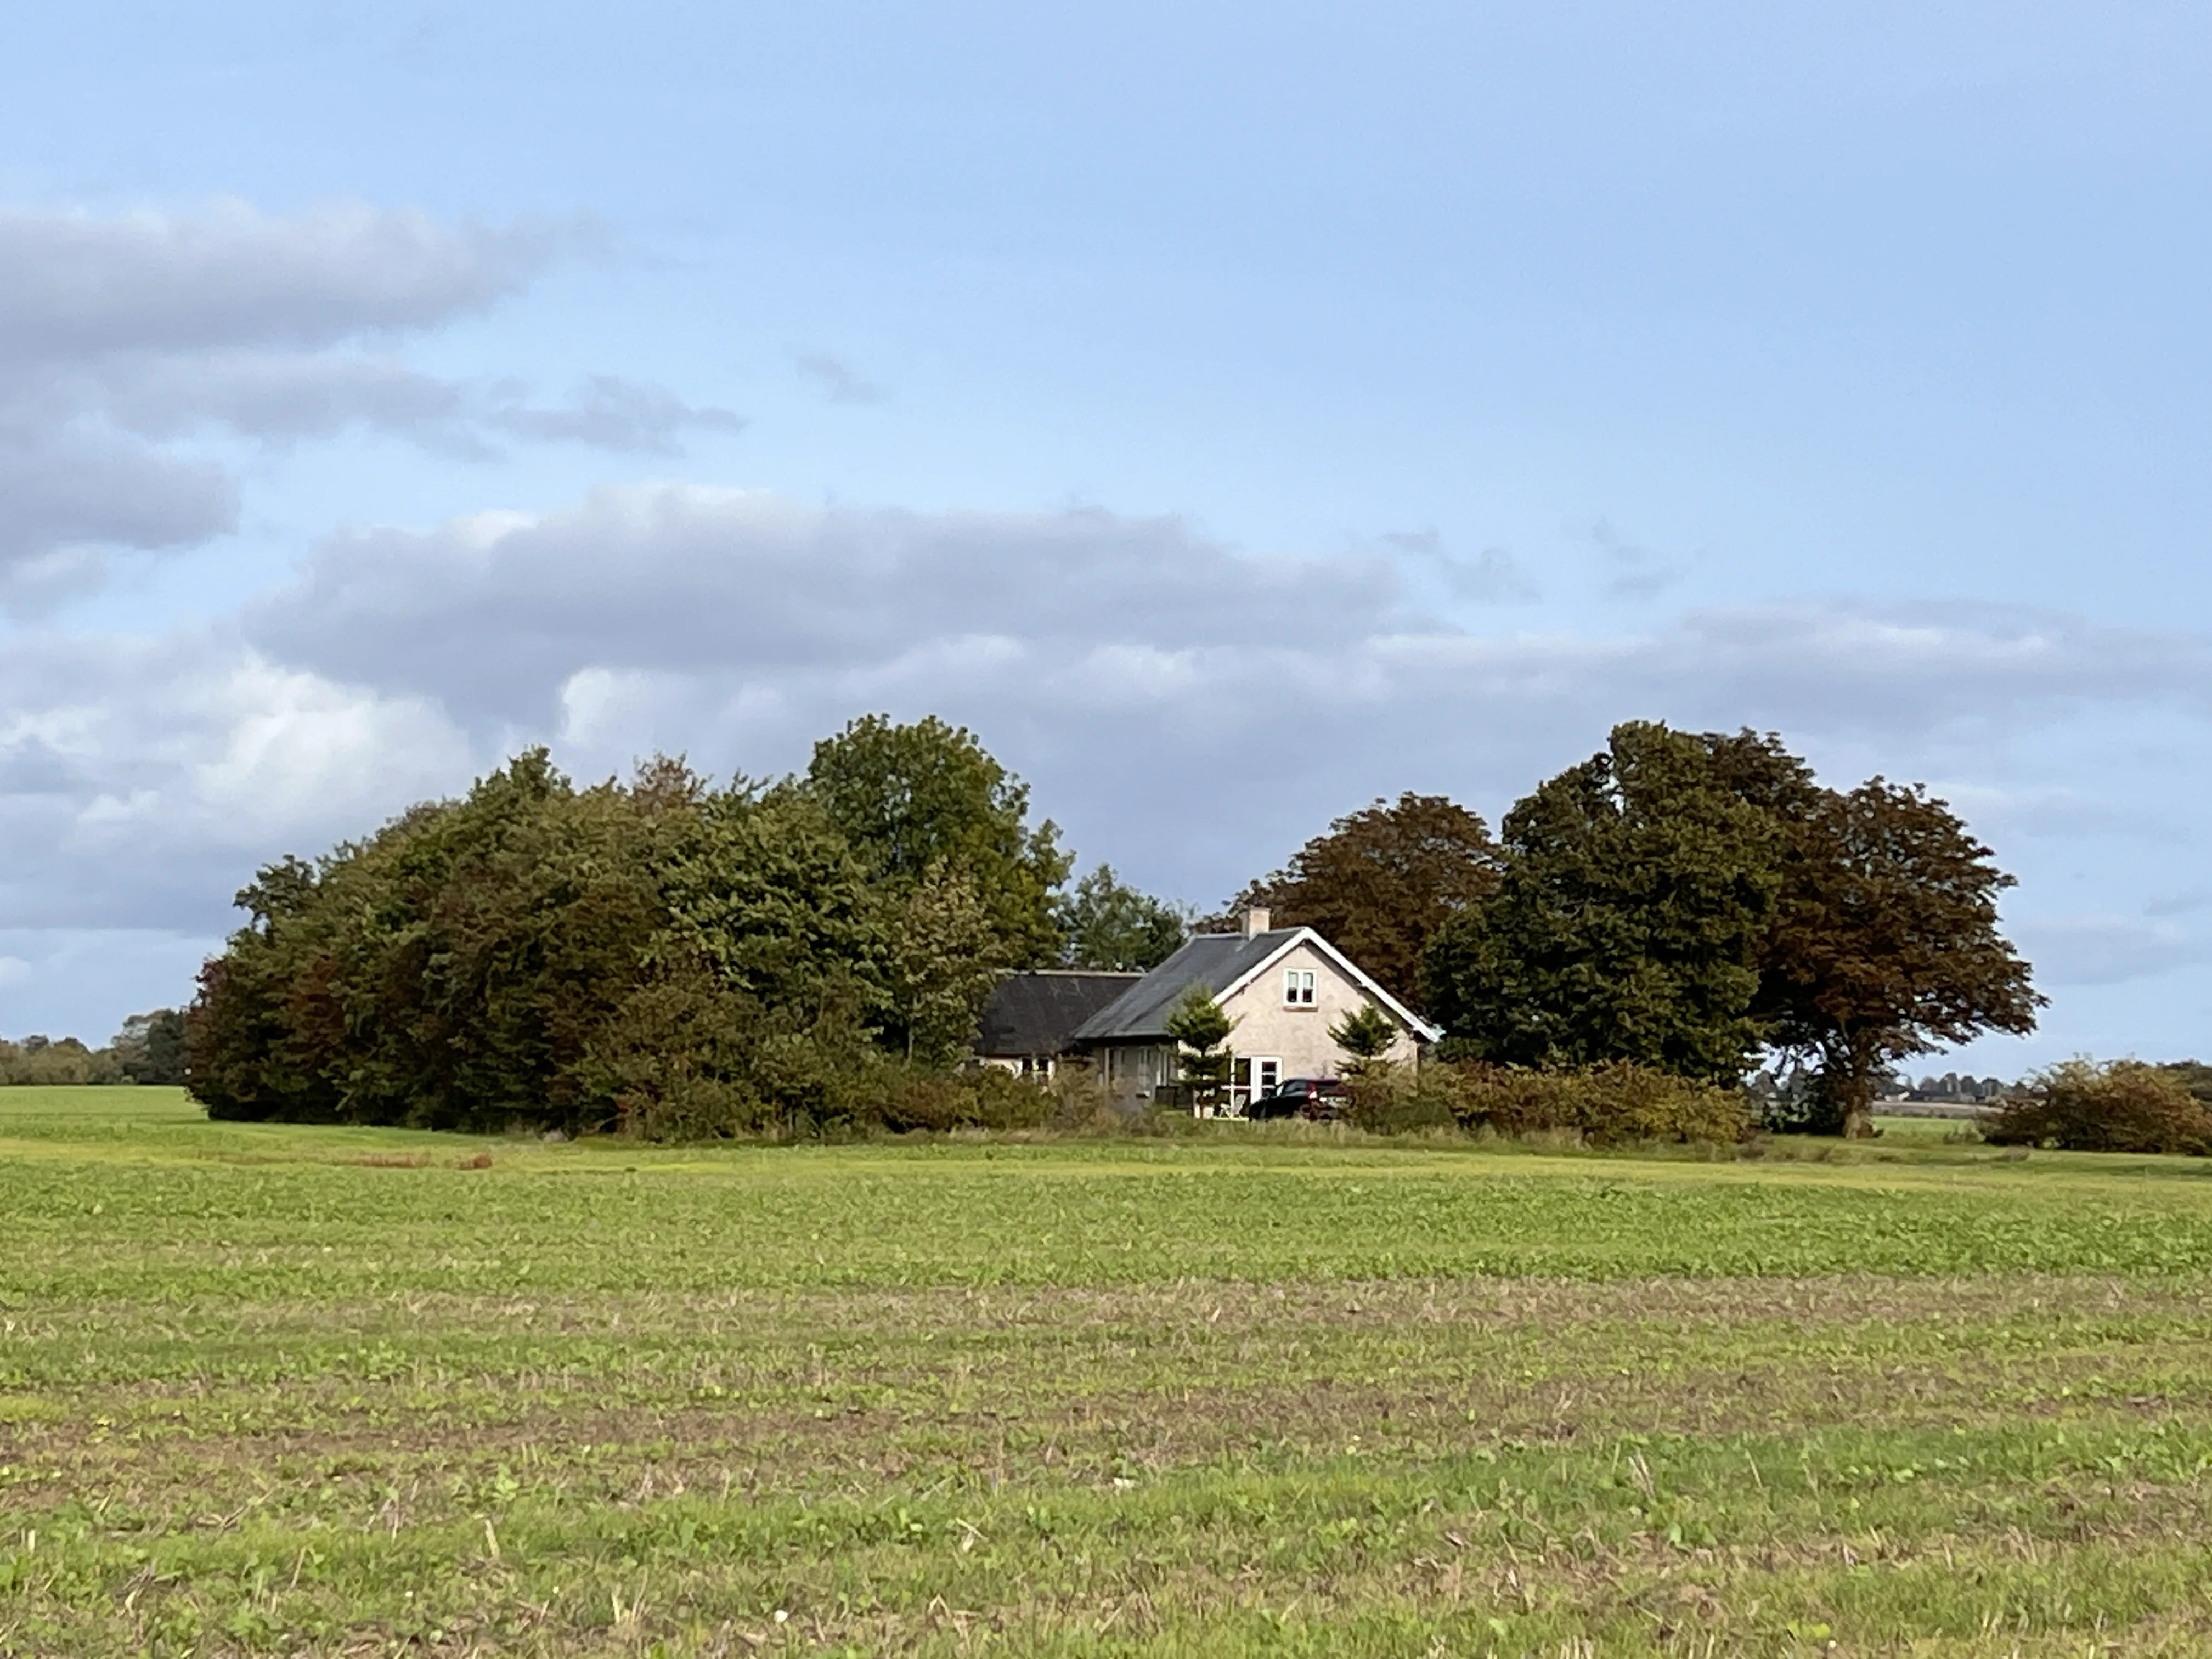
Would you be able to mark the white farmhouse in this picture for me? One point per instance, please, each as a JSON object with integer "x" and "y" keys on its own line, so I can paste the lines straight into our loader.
{"x": 1282, "y": 987}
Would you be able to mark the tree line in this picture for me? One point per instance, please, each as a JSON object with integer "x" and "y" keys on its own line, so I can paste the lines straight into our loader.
{"x": 150, "y": 1049}
{"x": 1680, "y": 901}
{"x": 661, "y": 955}
{"x": 677, "y": 957}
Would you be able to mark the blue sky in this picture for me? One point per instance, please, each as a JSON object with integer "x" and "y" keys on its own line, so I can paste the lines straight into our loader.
{"x": 1233, "y": 413}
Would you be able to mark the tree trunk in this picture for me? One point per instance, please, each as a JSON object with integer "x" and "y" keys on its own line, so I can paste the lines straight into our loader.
{"x": 1859, "y": 1096}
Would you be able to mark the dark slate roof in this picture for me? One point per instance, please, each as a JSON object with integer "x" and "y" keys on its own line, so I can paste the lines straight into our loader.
{"x": 1036, "y": 1014}
{"x": 1217, "y": 961}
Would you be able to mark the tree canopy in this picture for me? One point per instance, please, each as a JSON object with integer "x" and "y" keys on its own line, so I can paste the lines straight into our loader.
{"x": 1380, "y": 882}
{"x": 1884, "y": 943}
{"x": 1107, "y": 924}
{"x": 1683, "y": 900}
{"x": 1634, "y": 891}
{"x": 916, "y": 801}
{"x": 660, "y": 953}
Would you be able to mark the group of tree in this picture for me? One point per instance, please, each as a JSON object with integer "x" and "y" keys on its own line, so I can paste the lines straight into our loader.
{"x": 1680, "y": 901}
{"x": 682, "y": 958}
{"x": 150, "y": 1049}
{"x": 663, "y": 953}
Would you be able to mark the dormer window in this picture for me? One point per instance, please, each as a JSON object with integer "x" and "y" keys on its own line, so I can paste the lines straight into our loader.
{"x": 1297, "y": 987}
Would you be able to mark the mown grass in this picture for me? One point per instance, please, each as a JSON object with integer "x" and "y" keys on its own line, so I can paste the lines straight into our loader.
{"x": 267, "y": 1389}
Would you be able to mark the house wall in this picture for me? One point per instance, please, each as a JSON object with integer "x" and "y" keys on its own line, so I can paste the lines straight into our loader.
{"x": 1300, "y": 1036}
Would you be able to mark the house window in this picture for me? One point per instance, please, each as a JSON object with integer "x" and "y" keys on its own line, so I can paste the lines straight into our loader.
{"x": 1298, "y": 987}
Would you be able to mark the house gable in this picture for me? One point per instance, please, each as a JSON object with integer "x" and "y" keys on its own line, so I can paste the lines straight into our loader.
{"x": 1284, "y": 1010}
{"x": 1244, "y": 972}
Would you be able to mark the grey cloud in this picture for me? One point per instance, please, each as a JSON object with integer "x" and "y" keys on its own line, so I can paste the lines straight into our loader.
{"x": 124, "y": 341}
{"x": 609, "y": 413}
{"x": 1633, "y": 572}
{"x": 1492, "y": 577}
{"x": 64, "y": 489}
{"x": 493, "y": 614}
{"x": 2163, "y": 905}
{"x": 74, "y": 286}
{"x": 844, "y": 383}
{"x": 282, "y": 397}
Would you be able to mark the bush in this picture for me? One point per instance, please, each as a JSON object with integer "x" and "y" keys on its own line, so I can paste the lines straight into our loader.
{"x": 1620, "y": 1100}
{"x": 1388, "y": 1099}
{"x": 2125, "y": 1106}
{"x": 981, "y": 1098}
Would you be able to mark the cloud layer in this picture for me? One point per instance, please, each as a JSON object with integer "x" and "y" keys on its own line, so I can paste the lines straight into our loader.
{"x": 127, "y": 344}
{"x": 1189, "y": 710}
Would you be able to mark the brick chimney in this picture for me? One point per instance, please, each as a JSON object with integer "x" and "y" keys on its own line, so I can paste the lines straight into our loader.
{"x": 1256, "y": 921}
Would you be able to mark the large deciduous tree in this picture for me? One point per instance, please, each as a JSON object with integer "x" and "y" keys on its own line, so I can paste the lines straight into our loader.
{"x": 1626, "y": 922}
{"x": 1883, "y": 943}
{"x": 926, "y": 796}
{"x": 1382, "y": 881}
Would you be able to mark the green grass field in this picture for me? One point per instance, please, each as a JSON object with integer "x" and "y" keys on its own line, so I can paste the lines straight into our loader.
{"x": 336, "y": 1391}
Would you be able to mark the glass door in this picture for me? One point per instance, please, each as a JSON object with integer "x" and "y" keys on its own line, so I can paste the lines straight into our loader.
{"x": 1251, "y": 1077}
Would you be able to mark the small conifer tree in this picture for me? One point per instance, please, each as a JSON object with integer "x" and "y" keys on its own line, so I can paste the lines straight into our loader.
{"x": 1366, "y": 1034}
{"x": 1201, "y": 1027}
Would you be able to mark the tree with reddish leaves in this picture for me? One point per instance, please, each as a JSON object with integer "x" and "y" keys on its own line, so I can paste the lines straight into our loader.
{"x": 1381, "y": 883}
{"x": 1883, "y": 943}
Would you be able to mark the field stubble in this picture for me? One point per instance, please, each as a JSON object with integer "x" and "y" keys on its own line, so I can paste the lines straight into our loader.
{"x": 287, "y": 1390}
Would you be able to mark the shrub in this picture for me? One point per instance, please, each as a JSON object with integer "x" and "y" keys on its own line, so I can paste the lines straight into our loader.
{"x": 1393, "y": 1100}
{"x": 2124, "y": 1106}
{"x": 981, "y": 1098}
{"x": 1619, "y": 1101}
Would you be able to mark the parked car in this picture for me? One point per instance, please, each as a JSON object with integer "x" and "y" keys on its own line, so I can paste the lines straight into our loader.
{"x": 1303, "y": 1097}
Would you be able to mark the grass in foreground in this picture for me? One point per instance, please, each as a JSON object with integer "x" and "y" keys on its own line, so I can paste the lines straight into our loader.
{"x": 268, "y": 1389}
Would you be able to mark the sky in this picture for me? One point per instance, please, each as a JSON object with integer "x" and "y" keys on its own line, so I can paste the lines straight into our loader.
{"x": 1233, "y": 414}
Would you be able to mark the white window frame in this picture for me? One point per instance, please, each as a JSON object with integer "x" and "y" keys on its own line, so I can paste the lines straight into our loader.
{"x": 1299, "y": 987}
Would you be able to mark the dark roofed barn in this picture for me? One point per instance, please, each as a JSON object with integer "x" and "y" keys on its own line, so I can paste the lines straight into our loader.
{"x": 1030, "y": 1021}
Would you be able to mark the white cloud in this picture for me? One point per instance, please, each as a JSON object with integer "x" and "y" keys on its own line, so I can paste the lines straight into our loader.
{"x": 141, "y": 781}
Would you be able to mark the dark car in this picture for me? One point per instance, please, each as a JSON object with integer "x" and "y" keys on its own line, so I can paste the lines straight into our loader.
{"x": 1303, "y": 1097}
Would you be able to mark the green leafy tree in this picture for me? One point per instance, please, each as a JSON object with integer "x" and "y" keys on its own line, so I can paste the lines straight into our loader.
{"x": 945, "y": 956}
{"x": 1381, "y": 883}
{"x": 913, "y": 797}
{"x": 1626, "y": 922}
{"x": 150, "y": 1047}
{"x": 508, "y": 956}
{"x": 1366, "y": 1034}
{"x": 1200, "y": 1027}
{"x": 1109, "y": 925}
{"x": 1883, "y": 943}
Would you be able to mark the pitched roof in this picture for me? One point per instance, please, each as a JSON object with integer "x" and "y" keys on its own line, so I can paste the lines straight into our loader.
{"x": 1036, "y": 1013}
{"x": 1222, "y": 963}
